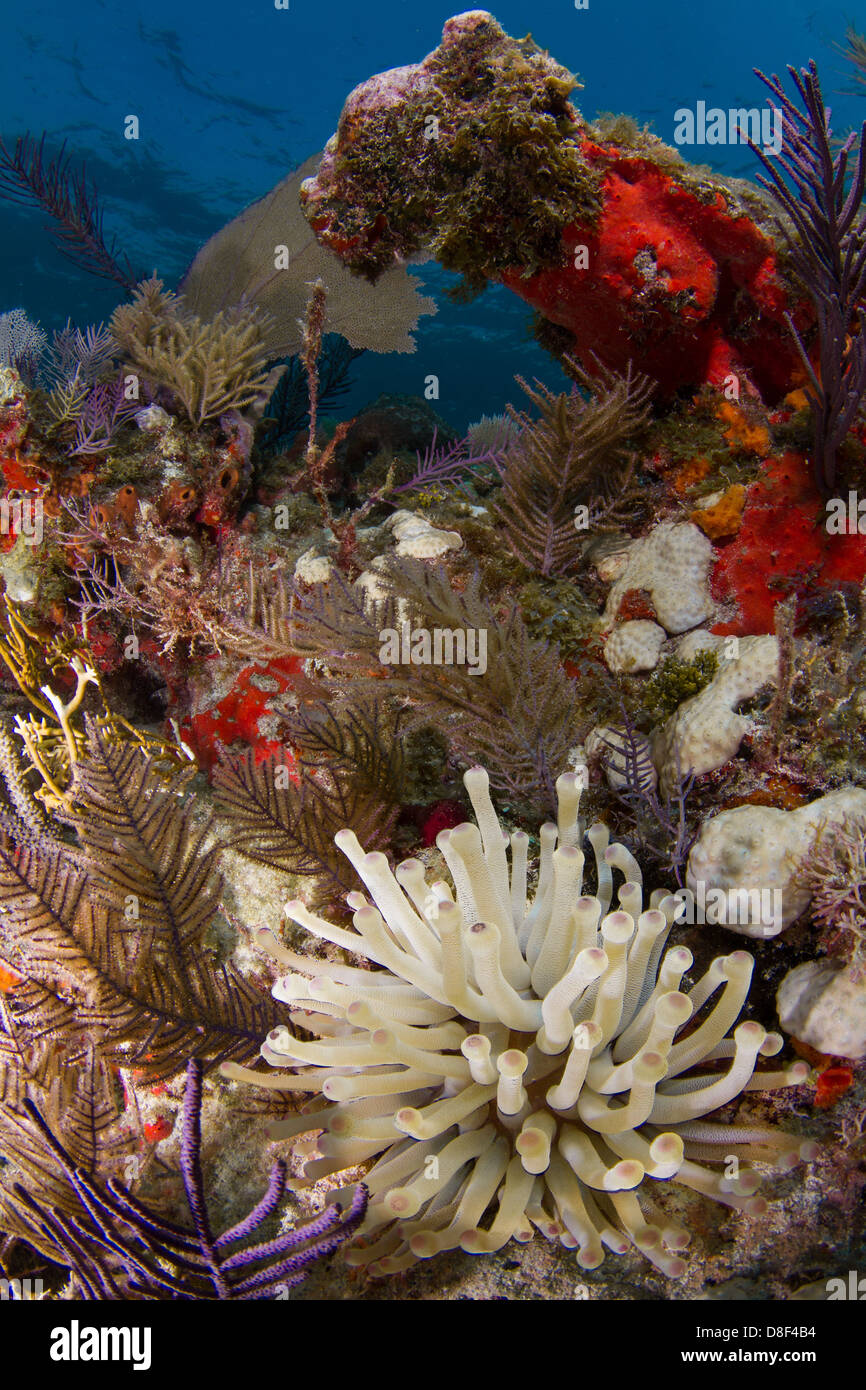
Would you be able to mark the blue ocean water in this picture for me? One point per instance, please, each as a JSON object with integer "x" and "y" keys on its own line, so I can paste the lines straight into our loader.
{"x": 231, "y": 96}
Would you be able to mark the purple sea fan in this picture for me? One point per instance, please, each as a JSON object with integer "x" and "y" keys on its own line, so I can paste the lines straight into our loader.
{"x": 105, "y": 410}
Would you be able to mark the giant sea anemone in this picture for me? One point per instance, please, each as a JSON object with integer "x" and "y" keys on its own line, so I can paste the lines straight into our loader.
{"x": 517, "y": 1064}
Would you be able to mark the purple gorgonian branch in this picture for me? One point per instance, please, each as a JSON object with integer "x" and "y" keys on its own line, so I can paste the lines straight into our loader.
{"x": 117, "y": 1246}
{"x": 79, "y": 354}
{"x": 105, "y": 410}
{"x": 63, "y": 190}
{"x": 823, "y": 202}
{"x": 454, "y": 463}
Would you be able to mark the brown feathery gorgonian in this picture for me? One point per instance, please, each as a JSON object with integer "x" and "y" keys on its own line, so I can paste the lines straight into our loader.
{"x": 517, "y": 1064}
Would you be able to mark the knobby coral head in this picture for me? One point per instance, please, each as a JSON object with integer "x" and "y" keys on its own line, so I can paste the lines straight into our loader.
{"x": 517, "y": 1064}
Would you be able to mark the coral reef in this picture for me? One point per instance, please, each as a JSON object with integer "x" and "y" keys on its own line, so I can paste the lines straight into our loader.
{"x": 722, "y": 518}
{"x": 634, "y": 646}
{"x": 361, "y": 205}
{"x": 833, "y": 873}
{"x": 705, "y": 731}
{"x": 456, "y": 463}
{"x": 627, "y": 761}
{"x": 108, "y": 932}
{"x": 416, "y": 538}
{"x": 286, "y": 413}
{"x": 55, "y": 743}
{"x": 682, "y": 676}
{"x": 565, "y": 473}
{"x": 21, "y": 343}
{"x": 347, "y": 767}
{"x": 672, "y": 563}
{"x": 521, "y": 718}
{"x": 228, "y": 272}
{"x": 251, "y": 624}
{"x": 765, "y": 559}
{"x": 828, "y": 255}
{"x": 818, "y": 716}
{"x": 117, "y": 1248}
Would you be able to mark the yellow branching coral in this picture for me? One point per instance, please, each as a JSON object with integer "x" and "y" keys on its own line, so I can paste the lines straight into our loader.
{"x": 55, "y": 742}
{"x": 211, "y": 367}
{"x": 517, "y": 1064}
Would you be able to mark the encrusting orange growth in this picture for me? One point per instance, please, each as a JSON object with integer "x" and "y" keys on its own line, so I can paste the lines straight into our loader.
{"x": 742, "y": 432}
{"x": 8, "y": 978}
{"x": 723, "y": 519}
{"x": 694, "y": 471}
{"x": 832, "y": 1084}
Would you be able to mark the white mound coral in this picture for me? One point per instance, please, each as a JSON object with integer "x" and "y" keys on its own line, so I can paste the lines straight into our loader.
{"x": 416, "y": 537}
{"x": 672, "y": 562}
{"x": 634, "y": 646}
{"x": 518, "y": 1064}
{"x": 706, "y": 730}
